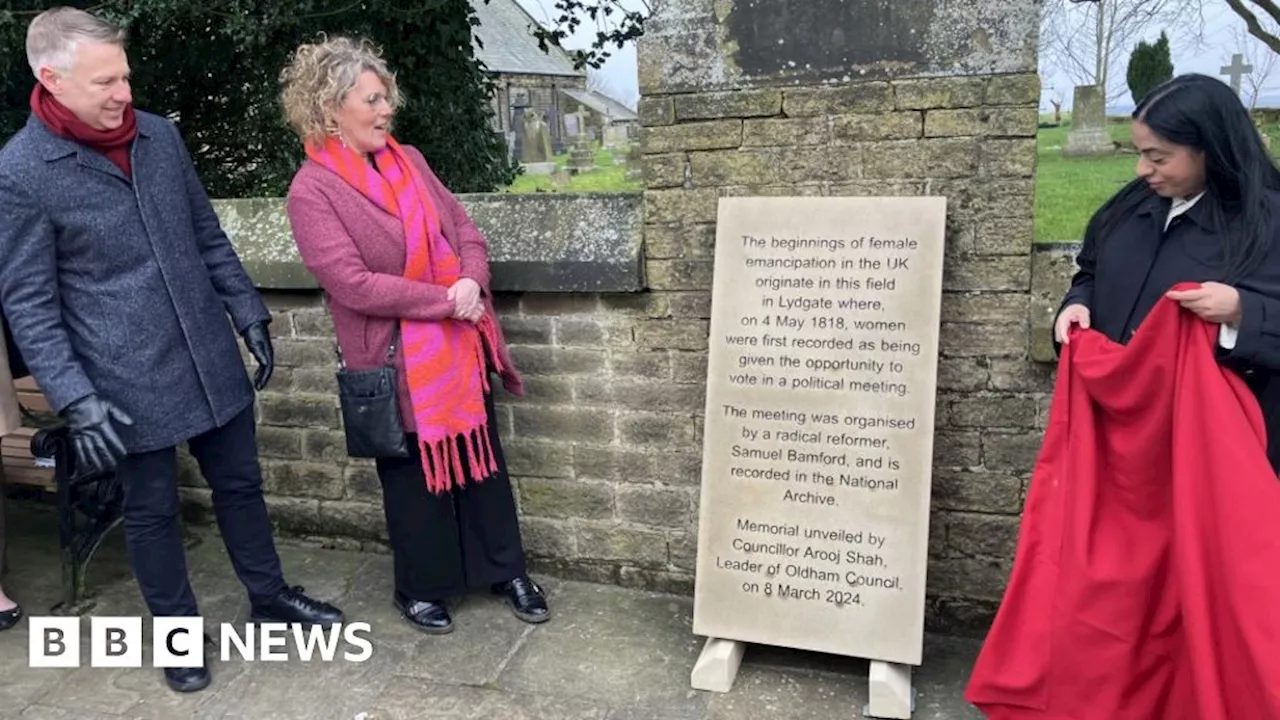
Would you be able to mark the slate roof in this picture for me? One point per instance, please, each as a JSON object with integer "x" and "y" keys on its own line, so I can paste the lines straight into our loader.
{"x": 602, "y": 104}
{"x": 509, "y": 44}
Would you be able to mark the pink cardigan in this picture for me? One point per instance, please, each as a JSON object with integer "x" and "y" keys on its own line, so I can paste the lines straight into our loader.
{"x": 356, "y": 250}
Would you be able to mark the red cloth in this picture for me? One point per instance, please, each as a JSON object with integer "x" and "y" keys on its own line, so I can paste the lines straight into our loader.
{"x": 112, "y": 143}
{"x": 1147, "y": 575}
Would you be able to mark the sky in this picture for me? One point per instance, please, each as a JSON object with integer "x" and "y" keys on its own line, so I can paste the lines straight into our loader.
{"x": 619, "y": 71}
{"x": 1221, "y": 40}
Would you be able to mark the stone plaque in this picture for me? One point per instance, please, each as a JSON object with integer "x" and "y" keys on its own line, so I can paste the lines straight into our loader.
{"x": 818, "y": 447}
{"x": 825, "y": 37}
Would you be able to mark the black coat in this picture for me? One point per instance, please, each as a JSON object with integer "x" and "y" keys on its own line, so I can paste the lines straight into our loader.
{"x": 123, "y": 288}
{"x": 1127, "y": 267}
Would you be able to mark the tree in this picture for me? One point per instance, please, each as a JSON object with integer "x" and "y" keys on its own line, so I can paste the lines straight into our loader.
{"x": 617, "y": 22}
{"x": 1260, "y": 57}
{"x": 212, "y": 67}
{"x": 1149, "y": 66}
{"x": 1263, "y": 28}
{"x": 1086, "y": 38}
{"x": 598, "y": 82}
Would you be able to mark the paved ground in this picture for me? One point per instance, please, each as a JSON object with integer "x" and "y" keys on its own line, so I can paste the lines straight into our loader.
{"x": 608, "y": 654}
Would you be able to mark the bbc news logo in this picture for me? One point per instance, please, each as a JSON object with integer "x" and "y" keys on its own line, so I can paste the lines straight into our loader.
{"x": 178, "y": 642}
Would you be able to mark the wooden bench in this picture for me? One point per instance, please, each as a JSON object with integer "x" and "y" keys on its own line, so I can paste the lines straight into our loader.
{"x": 88, "y": 507}
{"x": 20, "y": 466}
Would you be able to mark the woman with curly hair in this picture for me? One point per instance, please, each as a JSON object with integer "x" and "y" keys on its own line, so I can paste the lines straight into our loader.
{"x": 406, "y": 273}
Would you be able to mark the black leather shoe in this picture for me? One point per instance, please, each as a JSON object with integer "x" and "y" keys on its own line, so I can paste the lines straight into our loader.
{"x": 185, "y": 680}
{"x": 525, "y": 598}
{"x": 10, "y": 617}
{"x": 291, "y": 606}
{"x": 431, "y": 617}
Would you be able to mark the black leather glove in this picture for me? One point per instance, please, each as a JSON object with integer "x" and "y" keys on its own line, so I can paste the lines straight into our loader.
{"x": 97, "y": 446}
{"x": 258, "y": 340}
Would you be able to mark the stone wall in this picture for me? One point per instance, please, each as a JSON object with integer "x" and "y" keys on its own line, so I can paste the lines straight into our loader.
{"x": 822, "y": 97}
{"x": 935, "y": 98}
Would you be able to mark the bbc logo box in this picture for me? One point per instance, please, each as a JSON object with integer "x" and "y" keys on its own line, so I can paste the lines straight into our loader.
{"x": 54, "y": 642}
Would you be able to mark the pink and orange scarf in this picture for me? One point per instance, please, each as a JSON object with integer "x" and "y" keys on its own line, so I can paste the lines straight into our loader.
{"x": 444, "y": 359}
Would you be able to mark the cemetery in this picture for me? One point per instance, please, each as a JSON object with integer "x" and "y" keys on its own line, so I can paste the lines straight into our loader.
{"x": 588, "y": 163}
{"x": 1087, "y": 156}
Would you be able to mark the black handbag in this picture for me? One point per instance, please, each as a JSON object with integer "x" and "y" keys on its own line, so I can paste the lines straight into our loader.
{"x": 371, "y": 409}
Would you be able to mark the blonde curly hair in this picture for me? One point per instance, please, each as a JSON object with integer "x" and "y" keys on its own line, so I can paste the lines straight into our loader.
{"x": 318, "y": 78}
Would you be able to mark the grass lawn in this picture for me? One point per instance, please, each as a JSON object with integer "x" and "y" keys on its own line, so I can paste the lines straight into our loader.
{"x": 1070, "y": 190}
{"x": 607, "y": 177}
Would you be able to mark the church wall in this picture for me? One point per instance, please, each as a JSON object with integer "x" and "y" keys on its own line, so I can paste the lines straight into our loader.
{"x": 542, "y": 92}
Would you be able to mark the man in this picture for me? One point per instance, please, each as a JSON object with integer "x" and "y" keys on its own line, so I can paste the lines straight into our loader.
{"x": 117, "y": 281}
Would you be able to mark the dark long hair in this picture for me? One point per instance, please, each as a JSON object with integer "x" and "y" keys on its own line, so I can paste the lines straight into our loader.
{"x": 1202, "y": 112}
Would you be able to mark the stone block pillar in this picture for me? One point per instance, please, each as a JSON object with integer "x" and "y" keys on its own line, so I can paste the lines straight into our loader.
{"x": 863, "y": 97}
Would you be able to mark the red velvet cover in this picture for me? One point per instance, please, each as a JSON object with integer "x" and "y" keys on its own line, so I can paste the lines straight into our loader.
{"x": 1147, "y": 579}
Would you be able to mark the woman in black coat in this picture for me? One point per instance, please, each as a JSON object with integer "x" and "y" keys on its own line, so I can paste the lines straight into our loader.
{"x": 1205, "y": 208}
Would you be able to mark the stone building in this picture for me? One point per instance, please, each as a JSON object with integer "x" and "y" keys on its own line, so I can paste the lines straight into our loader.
{"x": 602, "y": 113}
{"x": 524, "y": 73}
{"x": 606, "y": 299}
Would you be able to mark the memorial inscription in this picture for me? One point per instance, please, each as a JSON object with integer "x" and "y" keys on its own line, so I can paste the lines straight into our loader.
{"x": 820, "y": 411}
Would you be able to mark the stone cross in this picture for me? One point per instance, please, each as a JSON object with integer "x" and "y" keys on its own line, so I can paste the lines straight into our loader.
{"x": 1237, "y": 69}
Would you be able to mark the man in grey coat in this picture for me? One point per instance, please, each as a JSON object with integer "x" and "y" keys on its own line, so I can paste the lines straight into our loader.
{"x": 117, "y": 282}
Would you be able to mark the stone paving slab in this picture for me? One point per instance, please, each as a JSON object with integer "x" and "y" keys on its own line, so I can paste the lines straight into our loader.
{"x": 607, "y": 654}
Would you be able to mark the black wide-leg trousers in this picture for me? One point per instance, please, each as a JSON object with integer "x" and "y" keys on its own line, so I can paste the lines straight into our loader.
{"x": 444, "y": 545}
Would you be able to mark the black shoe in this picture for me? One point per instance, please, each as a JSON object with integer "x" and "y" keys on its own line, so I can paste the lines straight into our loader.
{"x": 291, "y": 606}
{"x": 185, "y": 680}
{"x": 429, "y": 616}
{"x": 525, "y": 598}
{"x": 10, "y": 617}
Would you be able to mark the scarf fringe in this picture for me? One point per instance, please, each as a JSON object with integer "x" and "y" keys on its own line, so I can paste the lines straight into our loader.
{"x": 490, "y": 336}
{"x": 442, "y": 460}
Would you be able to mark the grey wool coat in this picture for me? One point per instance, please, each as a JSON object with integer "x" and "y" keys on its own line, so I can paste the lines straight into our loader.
{"x": 124, "y": 288}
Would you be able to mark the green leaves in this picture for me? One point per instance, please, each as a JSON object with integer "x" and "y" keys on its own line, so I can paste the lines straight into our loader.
{"x": 213, "y": 67}
{"x": 615, "y": 23}
{"x": 1150, "y": 64}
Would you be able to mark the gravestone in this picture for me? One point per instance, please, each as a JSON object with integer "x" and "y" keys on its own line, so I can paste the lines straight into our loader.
{"x": 582, "y": 159}
{"x": 572, "y": 124}
{"x": 556, "y": 125}
{"x": 519, "y": 106}
{"x": 615, "y": 136}
{"x": 635, "y": 171}
{"x": 818, "y": 444}
{"x": 1236, "y": 71}
{"x": 535, "y": 141}
{"x": 1088, "y": 136}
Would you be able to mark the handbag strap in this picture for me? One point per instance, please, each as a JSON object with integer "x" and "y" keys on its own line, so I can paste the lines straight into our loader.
{"x": 391, "y": 349}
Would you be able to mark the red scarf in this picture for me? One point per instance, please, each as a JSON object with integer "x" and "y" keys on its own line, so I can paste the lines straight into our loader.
{"x": 444, "y": 360}
{"x": 1145, "y": 583}
{"x": 114, "y": 144}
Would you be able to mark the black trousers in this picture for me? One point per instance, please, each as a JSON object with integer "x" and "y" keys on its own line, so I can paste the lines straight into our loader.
{"x": 445, "y": 544}
{"x": 228, "y": 459}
